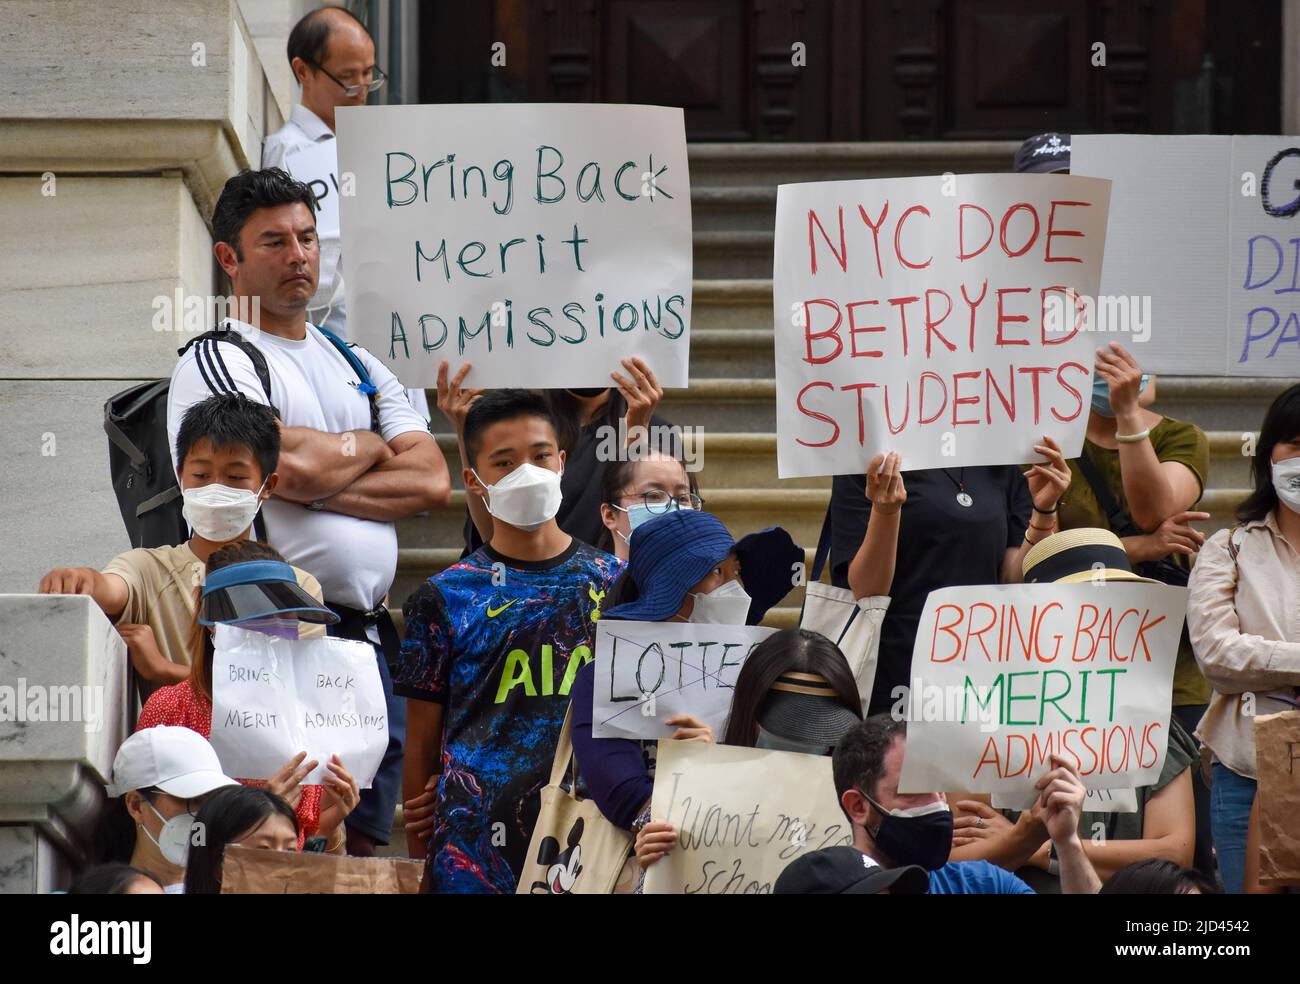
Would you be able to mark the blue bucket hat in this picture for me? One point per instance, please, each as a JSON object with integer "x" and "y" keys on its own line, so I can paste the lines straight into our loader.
{"x": 672, "y": 552}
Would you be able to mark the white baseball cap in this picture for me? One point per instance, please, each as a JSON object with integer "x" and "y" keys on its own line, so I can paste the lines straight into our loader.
{"x": 178, "y": 761}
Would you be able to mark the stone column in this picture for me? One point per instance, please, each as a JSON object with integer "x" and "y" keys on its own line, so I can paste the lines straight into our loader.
{"x": 122, "y": 119}
{"x": 63, "y": 712}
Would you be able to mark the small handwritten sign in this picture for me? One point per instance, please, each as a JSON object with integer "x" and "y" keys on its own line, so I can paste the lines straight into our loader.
{"x": 742, "y": 815}
{"x": 646, "y": 672}
{"x": 273, "y": 698}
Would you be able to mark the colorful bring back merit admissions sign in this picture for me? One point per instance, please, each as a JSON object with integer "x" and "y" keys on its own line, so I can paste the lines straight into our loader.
{"x": 540, "y": 243}
{"x": 1006, "y": 675}
{"x": 941, "y": 317}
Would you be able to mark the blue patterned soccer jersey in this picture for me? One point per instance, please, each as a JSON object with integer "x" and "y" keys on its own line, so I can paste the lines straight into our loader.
{"x": 498, "y": 642}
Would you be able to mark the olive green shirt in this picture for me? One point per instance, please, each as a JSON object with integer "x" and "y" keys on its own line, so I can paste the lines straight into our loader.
{"x": 1173, "y": 440}
{"x": 1179, "y": 756}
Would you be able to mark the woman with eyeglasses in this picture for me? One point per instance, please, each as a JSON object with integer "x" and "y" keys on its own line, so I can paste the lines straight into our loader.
{"x": 597, "y": 428}
{"x": 636, "y": 490}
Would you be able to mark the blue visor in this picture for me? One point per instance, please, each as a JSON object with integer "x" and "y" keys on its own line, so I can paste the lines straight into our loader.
{"x": 258, "y": 589}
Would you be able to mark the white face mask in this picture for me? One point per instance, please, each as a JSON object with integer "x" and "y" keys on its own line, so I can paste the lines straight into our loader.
{"x": 527, "y": 498}
{"x": 173, "y": 841}
{"x": 220, "y": 513}
{"x": 727, "y": 604}
{"x": 1286, "y": 480}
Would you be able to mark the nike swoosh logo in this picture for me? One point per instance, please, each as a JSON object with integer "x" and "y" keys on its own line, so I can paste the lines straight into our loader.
{"x": 494, "y": 612}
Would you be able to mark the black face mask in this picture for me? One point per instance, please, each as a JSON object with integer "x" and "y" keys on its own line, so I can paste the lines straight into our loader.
{"x": 587, "y": 394}
{"x": 924, "y": 839}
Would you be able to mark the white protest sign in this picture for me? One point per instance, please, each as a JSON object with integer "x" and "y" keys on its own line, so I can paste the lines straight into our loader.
{"x": 940, "y": 317}
{"x": 541, "y": 243}
{"x": 316, "y": 165}
{"x": 1204, "y": 244}
{"x": 646, "y": 672}
{"x": 1094, "y": 801}
{"x": 273, "y": 698}
{"x": 1006, "y": 675}
{"x": 742, "y": 815}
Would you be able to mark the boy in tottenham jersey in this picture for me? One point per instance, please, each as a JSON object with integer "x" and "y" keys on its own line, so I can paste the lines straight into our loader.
{"x": 492, "y": 646}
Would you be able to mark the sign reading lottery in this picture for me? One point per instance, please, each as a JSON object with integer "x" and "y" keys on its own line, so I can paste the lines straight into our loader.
{"x": 946, "y": 318}
{"x": 1006, "y": 675}
{"x": 541, "y": 244}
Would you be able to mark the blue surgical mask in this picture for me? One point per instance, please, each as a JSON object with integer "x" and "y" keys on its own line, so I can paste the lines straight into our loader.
{"x": 640, "y": 513}
{"x": 1101, "y": 393}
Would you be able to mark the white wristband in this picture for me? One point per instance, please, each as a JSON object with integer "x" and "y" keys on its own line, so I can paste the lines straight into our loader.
{"x": 1137, "y": 438}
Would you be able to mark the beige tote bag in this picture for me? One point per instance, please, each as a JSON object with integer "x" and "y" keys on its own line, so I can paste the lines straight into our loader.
{"x": 574, "y": 849}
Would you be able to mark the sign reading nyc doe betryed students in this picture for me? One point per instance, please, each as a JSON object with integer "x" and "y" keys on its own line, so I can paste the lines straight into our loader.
{"x": 541, "y": 243}
{"x": 647, "y": 672}
{"x": 1006, "y": 675}
{"x": 940, "y": 317}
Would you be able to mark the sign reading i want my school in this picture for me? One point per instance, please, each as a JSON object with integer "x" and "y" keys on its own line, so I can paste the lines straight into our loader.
{"x": 541, "y": 243}
{"x": 946, "y": 318}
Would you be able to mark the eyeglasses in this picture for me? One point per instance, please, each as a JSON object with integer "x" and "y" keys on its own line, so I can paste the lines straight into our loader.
{"x": 372, "y": 84}
{"x": 659, "y": 501}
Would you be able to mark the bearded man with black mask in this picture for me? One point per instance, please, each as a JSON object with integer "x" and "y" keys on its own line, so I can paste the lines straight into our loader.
{"x": 899, "y": 829}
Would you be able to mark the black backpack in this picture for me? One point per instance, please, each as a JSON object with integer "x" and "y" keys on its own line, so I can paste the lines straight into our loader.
{"x": 140, "y": 459}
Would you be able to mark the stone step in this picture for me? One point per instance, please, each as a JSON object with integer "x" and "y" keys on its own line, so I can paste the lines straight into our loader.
{"x": 756, "y": 165}
{"x": 720, "y": 460}
{"x": 748, "y": 460}
{"x": 430, "y": 543}
{"x": 732, "y": 253}
{"x": 732, "y": 303}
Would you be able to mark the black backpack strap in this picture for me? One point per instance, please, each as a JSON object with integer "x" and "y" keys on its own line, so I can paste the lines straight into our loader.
{"x": 215, "y": 374}
{"x": 365, "y": 384}
{"x": 823, "y": 547}
{"x": 1120, "y": 521}
{"x": 161, "y": 499}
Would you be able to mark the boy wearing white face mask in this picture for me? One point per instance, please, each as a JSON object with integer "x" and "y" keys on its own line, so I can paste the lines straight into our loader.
{"x": 228, "y": 448}
{"x": 491, "y": 650}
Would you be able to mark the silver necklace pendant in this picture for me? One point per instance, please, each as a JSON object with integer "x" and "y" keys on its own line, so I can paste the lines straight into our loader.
{"x": 964, "y": 499}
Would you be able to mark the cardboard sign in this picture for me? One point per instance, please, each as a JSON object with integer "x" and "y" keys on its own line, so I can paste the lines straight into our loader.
{"x": 1004, "y": 676}
{"x": 742, "y": 815}
{"x": 940, "y": 317}
{"x": 646, "y": 672}
{"x": 273, "y": 698}
{"x": 1277, "y": 751}
{"x": 541, "y": 243}
{"x": 250, "y": 871}
{"x": 1205, "y": 236}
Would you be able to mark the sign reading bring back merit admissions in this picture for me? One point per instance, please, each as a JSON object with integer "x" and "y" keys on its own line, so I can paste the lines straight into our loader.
{"x": 273, "y": 698}
{"x": 1006, "y": 675}
{"x": 540, "y": 243}
{"x": 945, "y": 317}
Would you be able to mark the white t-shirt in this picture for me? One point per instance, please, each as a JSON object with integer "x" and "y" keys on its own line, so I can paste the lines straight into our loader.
{"x": 312, "y": 385}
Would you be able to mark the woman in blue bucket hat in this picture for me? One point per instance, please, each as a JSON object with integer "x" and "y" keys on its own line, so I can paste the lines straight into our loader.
{"x": 683, "y": 566}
